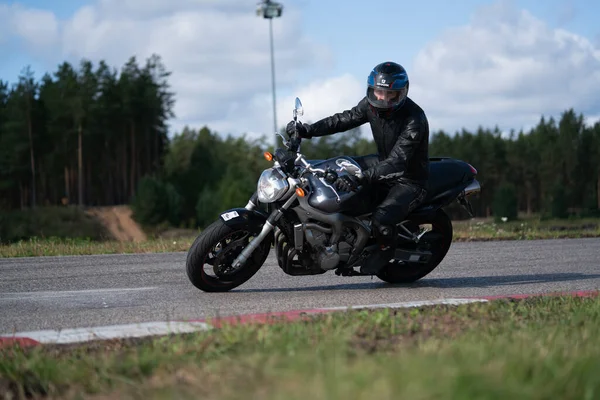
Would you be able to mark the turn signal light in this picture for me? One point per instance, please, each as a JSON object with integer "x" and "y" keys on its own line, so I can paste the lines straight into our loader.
{"x": 268, "y": 156}
{"x": 300, "y": 192}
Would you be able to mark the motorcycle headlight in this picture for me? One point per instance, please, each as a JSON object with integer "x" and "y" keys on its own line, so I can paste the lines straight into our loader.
{"x": 272, "y": 184}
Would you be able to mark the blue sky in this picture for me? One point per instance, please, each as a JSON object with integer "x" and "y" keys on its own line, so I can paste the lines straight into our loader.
{"x": 414, "y": 23}
{"x": 471, "y": 62}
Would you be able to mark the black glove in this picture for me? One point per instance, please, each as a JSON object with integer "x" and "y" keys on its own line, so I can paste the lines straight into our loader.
{"x": 302, "y": 129}
{"x": 368, "y": 176}
{"x": 347, "y": 183}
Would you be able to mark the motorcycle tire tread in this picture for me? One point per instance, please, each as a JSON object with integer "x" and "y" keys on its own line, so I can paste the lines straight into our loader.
{"x": 206, "y": 241}
{"x": 392, "y": 273}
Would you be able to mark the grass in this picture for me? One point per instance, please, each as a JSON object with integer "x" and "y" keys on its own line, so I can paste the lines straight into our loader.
{"x": 540, "y": 348}
{"x": 50, "y": 221}
{"x": 526, "y": 229}
{"x": 473, "y": 230}
{"x": 36, "y": 247}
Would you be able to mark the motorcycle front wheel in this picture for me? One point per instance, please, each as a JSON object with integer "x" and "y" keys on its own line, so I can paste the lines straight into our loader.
{"x": 437, "y": 240}
{"x": 210, "y": 258}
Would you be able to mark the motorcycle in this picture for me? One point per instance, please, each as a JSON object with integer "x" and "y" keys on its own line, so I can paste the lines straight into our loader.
{"x": 315, "y": 229}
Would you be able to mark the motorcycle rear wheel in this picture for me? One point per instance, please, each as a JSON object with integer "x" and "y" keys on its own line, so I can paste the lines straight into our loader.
{"x": 407, "y": 272}
{"x": 212, "y": 247}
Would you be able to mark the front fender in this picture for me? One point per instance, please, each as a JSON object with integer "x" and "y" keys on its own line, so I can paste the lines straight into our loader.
{"x": 242, "y": 217}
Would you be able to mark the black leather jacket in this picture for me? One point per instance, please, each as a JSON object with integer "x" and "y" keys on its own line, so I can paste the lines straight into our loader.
{"x": 402, "y": 140}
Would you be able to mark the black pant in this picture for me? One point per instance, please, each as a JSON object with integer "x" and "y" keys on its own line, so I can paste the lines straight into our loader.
{"x": 395, "y": 199}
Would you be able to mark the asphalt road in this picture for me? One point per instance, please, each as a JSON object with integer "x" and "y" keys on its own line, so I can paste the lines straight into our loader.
{"x": 85, "y": 291}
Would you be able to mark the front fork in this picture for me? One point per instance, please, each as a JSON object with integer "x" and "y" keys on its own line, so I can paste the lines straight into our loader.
{"x": 252, "y": 202}
{"x": 266, "y": 229}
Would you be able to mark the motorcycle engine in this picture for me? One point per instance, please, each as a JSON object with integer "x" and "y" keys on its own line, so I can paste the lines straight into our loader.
{"x": 328, "y": 256}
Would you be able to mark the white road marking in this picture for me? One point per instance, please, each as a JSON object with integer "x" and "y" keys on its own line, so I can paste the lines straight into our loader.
{"x": 110, "y": 332}
{"x": 410, "y": 304}
{"x": 67, "y": 293}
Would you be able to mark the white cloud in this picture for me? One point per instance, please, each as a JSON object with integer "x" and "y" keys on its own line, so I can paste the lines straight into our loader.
{"x": 507, "y": 68}
{"x": 324, "y": 98}
{"x": 217, "y": 50}
{"x": 219, "y": 55}
{"x": 37, "y": 28}
{"x": 320, "y": 99}
{"x": 152, "y": 8}
{"x": 591, "y": 120}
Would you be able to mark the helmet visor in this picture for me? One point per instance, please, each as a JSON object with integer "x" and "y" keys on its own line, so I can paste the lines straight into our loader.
{"x": 386, "y": 98}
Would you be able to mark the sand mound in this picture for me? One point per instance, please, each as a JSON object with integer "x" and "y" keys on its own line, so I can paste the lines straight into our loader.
{"x": 119, "y": 223}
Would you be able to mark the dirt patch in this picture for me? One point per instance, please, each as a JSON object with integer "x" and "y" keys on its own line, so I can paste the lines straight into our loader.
{"x": 119, "y": 223}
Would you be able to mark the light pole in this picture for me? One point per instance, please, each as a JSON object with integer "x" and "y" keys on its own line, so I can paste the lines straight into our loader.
{"x": 269, "y": 9}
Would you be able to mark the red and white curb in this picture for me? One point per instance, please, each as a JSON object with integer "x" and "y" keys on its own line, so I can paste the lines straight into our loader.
{"x": 164, "y": 328}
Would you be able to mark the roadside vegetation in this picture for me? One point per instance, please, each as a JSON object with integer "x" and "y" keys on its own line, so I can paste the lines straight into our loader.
{"x": 93, "y": 135}
{"x": 525, "y": 229}
{"x": 181, "y": 239}
{"x": 543, "y": 348}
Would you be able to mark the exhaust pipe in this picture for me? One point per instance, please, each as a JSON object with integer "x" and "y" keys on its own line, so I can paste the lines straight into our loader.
{"x": 474, "y": 187}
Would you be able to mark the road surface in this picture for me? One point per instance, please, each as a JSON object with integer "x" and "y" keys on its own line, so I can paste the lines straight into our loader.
{"x": 87, "y": 291}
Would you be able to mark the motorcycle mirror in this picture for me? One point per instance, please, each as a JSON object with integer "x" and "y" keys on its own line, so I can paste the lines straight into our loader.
{"x": 283, "y": 135}
{"x": 284, "y": 138}
{"x": 298, "y": 109}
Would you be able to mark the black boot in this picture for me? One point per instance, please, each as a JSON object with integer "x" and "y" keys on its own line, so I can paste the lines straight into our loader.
{"x": 386, "y": 242}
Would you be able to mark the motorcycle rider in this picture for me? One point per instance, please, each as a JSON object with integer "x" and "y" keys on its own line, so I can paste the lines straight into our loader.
{"x": 400, "y": 171}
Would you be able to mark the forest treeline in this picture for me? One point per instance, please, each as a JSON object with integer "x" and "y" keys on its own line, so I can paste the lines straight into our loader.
{"x": 84, "y": 134}
{"x": 92, "y": 135}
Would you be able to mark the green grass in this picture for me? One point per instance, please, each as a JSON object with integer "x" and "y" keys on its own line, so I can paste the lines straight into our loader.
{"x": 59, "y": 222}
{"x": 540, "y": 348}
{"x": 36, "y": 247}
{"x": 525, "y": 229}
{"x": 473, "y": 230}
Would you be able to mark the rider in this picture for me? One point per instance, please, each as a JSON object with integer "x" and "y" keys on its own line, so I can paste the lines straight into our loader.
{"x": 400, "y": 170}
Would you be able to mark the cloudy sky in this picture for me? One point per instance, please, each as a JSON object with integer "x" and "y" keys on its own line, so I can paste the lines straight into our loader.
{"x": 471, "y": 62}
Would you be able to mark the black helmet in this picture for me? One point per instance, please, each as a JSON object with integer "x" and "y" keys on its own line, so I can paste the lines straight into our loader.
{"x": 387, "y": 87}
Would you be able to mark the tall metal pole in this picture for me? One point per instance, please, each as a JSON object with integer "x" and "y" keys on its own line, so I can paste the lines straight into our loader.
{"x": 271, "y": 9}
{"x": 273, "y": 84}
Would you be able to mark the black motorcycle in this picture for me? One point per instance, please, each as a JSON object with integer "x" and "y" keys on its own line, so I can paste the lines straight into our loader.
{"x": 315, "y": 229}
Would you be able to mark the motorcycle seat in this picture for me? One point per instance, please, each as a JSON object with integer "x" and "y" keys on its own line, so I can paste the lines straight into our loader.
{"x": 446, "y": 174}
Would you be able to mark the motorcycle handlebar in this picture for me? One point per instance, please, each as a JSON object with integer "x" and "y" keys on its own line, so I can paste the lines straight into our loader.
{"x": 300, "y": 159}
